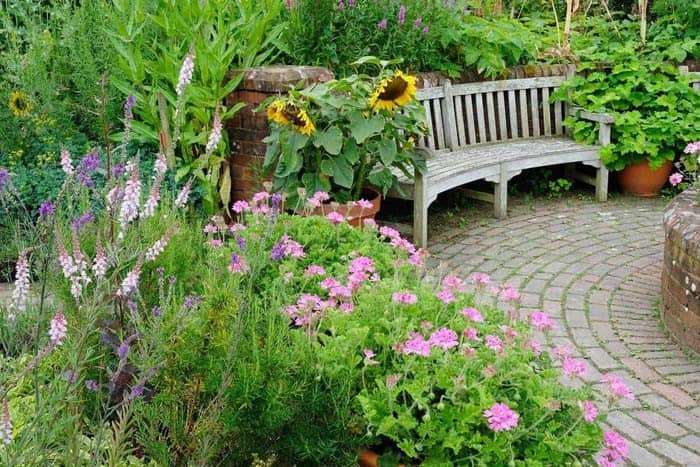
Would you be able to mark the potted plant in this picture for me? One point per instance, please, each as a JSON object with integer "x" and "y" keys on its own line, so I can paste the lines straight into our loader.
{"x": 655, "y": 111}
{"x": 344, "y": 135}
{"x": 688, "y": 175}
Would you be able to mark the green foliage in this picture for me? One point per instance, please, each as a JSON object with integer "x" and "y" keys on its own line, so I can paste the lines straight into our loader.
{"x": 435, "y": 36}
{"x": 347, "y": 135}
{"x": 655, "y": 108}
{"x": 152, "y": 39}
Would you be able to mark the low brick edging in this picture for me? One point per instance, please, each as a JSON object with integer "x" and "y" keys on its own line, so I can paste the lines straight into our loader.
{"x": 680, "y": 309}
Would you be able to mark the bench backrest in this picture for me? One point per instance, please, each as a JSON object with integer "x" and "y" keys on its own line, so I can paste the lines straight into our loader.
{"x": 475, "y": 113}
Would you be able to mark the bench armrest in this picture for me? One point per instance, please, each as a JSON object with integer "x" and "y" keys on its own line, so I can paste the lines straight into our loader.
{"x": 592, "y": 116}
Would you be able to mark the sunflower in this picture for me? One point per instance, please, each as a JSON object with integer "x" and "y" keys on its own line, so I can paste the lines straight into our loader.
{"x": 285, "y": 113}
{"x": 274, "y": 112}
{"x": 393, "y": 92}
{"x": 19, "y": 104}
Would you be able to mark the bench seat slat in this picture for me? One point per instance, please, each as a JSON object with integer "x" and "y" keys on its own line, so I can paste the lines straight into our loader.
{"x": 444, "y": 163}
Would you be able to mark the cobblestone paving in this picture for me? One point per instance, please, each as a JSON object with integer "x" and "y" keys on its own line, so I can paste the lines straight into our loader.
{"x": 596, "y": 268}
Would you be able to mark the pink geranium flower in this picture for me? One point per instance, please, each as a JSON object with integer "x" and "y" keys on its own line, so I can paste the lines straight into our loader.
{"x": 573, "y": 367}
{"x": 615, "y": 448}
{"x": 335, "y": 217}
{"x": 535, "y": 345}
{"x": 494, "y": 343}
{"x": 444, "y": 338}
{"x": 405, "y": 298}
{"x": 446, "y": 296}
{"x": 416, "y": 345}
{"x": 481, "y": 279}
{"x": 617, "y": 386}
{"x": 542, "y": 321}
{"x": 561, "y": 351}
{"x": 675, "y": 179}
{"x": 473, "y": 314}
{"x": 314, "y": 270}
{"x": 590, "y": 412}
{"x": 471, "y": 334}
{"x": 501, "y": 417}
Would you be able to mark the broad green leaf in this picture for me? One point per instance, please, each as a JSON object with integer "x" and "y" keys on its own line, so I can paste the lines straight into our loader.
{"x": 387, "y": 151}
{"x": 342, "y": 172}
{"x": 331, "y": 140}
{"x": 362, "y": 128}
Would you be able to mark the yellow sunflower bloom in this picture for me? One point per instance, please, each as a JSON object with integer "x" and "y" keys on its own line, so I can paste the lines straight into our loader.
{"x": 393, "y": 92}
{"x": 274, "y": 112}
{"x": 298, "y": 118}
{"x": 19, "y": 104}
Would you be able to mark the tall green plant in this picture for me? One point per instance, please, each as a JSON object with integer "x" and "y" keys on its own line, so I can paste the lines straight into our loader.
{"x": 153, "y": 37}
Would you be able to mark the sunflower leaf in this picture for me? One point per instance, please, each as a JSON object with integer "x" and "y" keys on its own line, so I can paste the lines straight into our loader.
{"x": 331, "y": 140}
{"x": 387, "y": 151}
{"x": 362, "y": 128}
{"x": 342, "y": 173}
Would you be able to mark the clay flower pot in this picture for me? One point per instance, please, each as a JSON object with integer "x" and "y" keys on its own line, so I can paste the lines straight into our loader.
{"x": 640, "y": 180}
{"x": 369, "y": 458}
{"x": 353, "y": 213}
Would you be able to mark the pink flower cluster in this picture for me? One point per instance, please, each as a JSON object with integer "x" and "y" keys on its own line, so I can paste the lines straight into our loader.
{"x": 590, "y": 412}
{"x": 540, "y": 320}
{"x": 501, "y": 417}
{"x": 572, "y": 367}
{"x": 616, "y": 386}
{"x": 473, "y": 314}
{"x": 57, "y": 328}
{"x": 360, "y": 270}
{"x": 443, "y": 338}
{"x": 615, "y": 449}
{"x": 308, "y": 309}
{"x": 404, "y": 298}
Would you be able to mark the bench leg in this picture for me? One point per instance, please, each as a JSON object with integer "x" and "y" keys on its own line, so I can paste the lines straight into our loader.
{"x": 500, "y": 196}
{"x": 420, "y": 213}
{"x": 601, "y": 183}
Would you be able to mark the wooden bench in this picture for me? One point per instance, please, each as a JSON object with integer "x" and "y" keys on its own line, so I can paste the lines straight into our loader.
{"x": 493, "y": 131}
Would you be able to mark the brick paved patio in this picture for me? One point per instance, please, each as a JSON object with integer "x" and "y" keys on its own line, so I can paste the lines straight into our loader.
{"x": 597, "y": 269}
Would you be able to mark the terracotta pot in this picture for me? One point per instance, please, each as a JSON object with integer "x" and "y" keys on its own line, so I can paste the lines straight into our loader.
{"x": 640, "y": 180}
{"x": 353, "y": 213}
{"x": 369, "y": 458}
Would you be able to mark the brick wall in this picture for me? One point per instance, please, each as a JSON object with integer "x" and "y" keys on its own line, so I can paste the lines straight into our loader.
{"x": 681, "y": 270}
{"x": 248, "y": 128}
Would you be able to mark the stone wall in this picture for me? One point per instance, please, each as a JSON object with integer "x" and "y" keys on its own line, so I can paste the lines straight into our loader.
{"x": 680, "y": 310}
{"x": 248, "y": 128}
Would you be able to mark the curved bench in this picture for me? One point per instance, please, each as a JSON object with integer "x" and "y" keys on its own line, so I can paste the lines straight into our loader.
{"x": 493, "y": 131}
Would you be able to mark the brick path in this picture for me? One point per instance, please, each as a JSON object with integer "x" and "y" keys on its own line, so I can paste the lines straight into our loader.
{"x": 596, "y": 268}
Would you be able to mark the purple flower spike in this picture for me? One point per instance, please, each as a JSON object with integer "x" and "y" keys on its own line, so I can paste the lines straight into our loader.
{"x": 402, "y": 15}
{"x": 4, "y": 178}
{"x": 128, "y": 106}
{"x": 382, "y": 24}
{"x": 47, "y": 208}
{"x": 123, "y": 350}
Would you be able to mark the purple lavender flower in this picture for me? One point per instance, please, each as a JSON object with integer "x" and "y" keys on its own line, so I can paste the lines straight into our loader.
{"x": 128, "y": 105}
{"x": 91, "y": 384}
{"x": 4, "y": 178}
{"x": 240, "y": 242}
{"x": 382, "y": 24}
{"x": 402, "y": 15}
{"x": 87, "y": 167}
{"x": 132, "y": 305}
{"x": 172, "y": 280}
{"x": 123, "y": 350}
{"x": 417, "y": 23}
{"x": 47, "y": 208}
{"x": 426, "y": 30}
{"x": 156, "y": 311}
{"x": 276, "y": 199}
{"x": 80, "y": 222}
{"x": 351, "y": 3}
{"x": 277, "y": 252}
{"x": 136, "y": 391}
{"x": 341, "y": 6}
{"x": 118, "y": 169}
{"x": 191, "y": 301}
{"x": 70, "y": 376}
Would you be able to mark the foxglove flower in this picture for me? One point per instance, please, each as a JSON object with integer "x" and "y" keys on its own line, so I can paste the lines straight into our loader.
{"x": 5, "y": 424}
{"x": 184, "y": 194}
{"x": 158, "y": 247}
{"x": 215, "y": 135}
{"x": 130, "y": 203}
{"x": 186, "y": 72}
{"x": 66, "y": 163}
{"x": 160, "y": 166}
{"x": 100, "y": 265}
{"x": 130, "y": 282}
{"x": 57, "y": 328}
{"x": 20, "y": 292}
